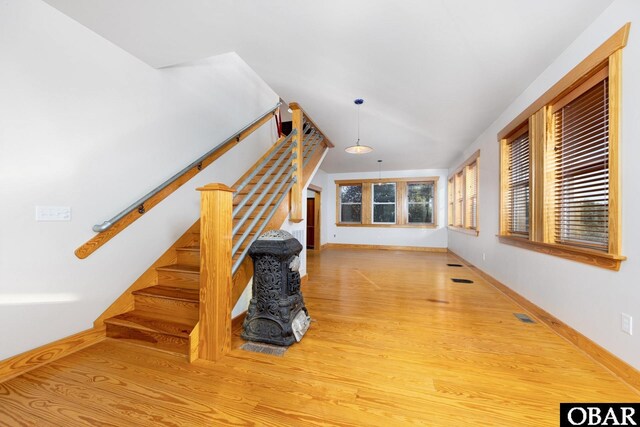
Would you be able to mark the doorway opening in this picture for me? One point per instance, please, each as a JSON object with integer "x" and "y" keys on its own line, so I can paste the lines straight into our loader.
{"x": 313, "y": 217}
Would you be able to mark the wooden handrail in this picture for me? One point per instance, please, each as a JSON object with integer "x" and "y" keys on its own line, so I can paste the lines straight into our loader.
{"x": 103, "y": 237}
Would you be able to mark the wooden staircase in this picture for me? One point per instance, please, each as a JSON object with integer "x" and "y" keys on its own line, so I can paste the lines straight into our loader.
{"x": 162, "y": 311}
{"x": 166, "y": 313}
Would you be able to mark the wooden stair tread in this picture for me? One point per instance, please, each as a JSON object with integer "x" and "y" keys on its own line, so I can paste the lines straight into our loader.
{"x": 151, "y": 322}
{"x": 170, "y": 292}
{"x": 190, "y": 248}
{"x": 182, "y": 268}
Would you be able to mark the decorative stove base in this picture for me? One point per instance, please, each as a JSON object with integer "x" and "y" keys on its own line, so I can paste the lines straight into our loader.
{"x": 271, "y": 331}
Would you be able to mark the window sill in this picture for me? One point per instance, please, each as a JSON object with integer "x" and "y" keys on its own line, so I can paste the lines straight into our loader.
{"x": 469, "y": 231}
{"x": 346, "y": 224}
{"x": 586, "y": 256}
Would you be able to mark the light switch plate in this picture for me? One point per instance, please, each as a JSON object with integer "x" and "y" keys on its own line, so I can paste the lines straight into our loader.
{"x": 53, "y": 213}
{"x": 626, "y": 323}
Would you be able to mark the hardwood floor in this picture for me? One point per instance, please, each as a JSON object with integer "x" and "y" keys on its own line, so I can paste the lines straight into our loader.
{"x": 393, "y": 342}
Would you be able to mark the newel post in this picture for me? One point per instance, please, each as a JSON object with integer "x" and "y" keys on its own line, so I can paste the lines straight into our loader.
{"x": 296, "y": 191}
{"x": 215, "y": 271}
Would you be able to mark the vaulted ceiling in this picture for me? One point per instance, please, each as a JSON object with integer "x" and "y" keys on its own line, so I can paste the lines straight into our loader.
{"x": 434, "y": 73}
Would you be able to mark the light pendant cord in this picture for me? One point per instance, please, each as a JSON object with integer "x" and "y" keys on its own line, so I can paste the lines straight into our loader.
{"x": 358, "y": 141}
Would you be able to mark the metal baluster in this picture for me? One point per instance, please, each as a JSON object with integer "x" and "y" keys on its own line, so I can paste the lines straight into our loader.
{"x": 242, "y": 256}
{"x": 311, "y": 144}
{"x": 304, "y": 163}
{"x": 259, "y": 199}
{"x": 262, "y": 211}
{"x": 262, "y": 180}
{"x": 264, "y": 162}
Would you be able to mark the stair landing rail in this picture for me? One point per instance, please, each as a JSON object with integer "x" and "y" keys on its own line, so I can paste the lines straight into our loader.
{"x": 110, "y": 228}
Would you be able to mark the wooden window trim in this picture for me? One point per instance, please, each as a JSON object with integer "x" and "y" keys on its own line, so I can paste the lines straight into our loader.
{"x": 386, "y": 180}
{"x": 586, "y": 256}
{"x": 401, "y": 202}
{"x": 469, "y": 231}
{"x": 474, "y": 158}
{"x": 605, "y": 61}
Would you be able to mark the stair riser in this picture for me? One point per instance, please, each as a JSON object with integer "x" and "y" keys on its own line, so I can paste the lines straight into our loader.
{"x": 158, "y": 341}
{"x": 169, "y": 307}
{"x": 179, "y": 279}
{"x": 189, "y": 257}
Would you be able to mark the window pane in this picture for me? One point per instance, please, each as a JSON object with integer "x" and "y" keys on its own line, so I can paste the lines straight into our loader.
{"x": 384, "y": 193}
{"x": 351, "y": 193}
{"x": 350, "y": 213}
{"x": 420, "y": 213}
{"x": 420, "y": 192}
{"x": 384, "y": 213}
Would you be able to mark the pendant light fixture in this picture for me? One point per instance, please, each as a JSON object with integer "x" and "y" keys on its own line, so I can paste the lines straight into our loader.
{"x": 358, "y": 149}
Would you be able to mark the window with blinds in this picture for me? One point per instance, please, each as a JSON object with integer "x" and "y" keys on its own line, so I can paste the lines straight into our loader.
{"x": 518, "y": 198}
{"x": 463, "y": 196}
{"x": 459, "y": 200}
{"x": 471, "y": 195}
{"x": 450, "y": 198}
{"x": 560, "y": 173}
{"x": 581, "y": 128}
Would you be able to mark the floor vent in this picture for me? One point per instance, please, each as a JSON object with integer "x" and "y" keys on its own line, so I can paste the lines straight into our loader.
{"x": 439, "y": 301}
{"x": 523, "y": 318}
{"x": 462, "y": 281}
{"x": 455, "y": 265}
{"x": 256, "y": 347}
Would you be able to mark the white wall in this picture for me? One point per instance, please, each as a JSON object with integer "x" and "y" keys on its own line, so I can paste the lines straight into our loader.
{"x": 86, "y": 125}
{"x": 423, "y": 237}
{"x": 587, "y": 298}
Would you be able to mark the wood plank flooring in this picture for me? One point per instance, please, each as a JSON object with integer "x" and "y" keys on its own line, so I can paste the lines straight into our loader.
{"x": 393, "y": 342}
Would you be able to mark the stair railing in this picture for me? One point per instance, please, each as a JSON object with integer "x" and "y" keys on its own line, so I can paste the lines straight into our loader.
{"x": 110, "y": 228}
{"x": 311, "y": 142}
{"x": 227, "y": 228}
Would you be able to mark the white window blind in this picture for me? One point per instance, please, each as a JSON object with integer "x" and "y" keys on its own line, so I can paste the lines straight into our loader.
{"x": 450, "y": 198}
{"x": 471, "y": 194}
{"x": 459, "y": 200}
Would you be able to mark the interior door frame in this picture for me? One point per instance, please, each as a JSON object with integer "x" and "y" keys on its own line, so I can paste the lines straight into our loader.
{"x": 317, "y": 226}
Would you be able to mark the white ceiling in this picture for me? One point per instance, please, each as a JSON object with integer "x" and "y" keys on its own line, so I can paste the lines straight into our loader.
{"x": 434, "y": 73}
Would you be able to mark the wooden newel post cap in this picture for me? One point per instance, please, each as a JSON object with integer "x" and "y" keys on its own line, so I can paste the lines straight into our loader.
{"x": 294, "y": 106}
{"x": 216, "y": 187}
